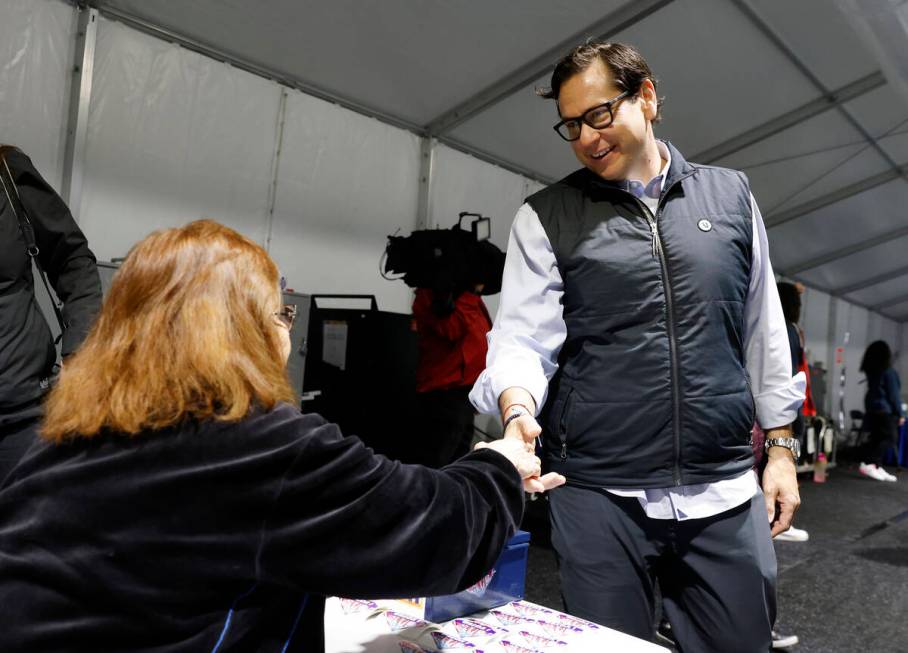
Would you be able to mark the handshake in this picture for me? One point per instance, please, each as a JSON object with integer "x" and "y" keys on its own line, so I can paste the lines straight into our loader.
{"x": 518, "y": 446}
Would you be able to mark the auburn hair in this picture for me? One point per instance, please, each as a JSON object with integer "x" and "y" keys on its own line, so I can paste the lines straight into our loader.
{"x": 186, "y": 332}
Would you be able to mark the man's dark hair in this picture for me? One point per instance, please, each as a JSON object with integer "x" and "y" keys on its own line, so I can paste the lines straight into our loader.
{"x": 791, "y": 301}
{"x": 877, "y": 358}
{"x": 626, "y": 65}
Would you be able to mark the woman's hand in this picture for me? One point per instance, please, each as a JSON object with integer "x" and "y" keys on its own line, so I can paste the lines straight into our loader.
{"x": 528, "y": 465}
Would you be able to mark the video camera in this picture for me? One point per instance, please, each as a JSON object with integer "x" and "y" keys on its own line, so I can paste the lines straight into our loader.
{"x": 448, "y": 260}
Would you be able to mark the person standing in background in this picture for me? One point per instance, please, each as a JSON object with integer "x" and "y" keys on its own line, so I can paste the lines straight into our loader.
{"x": 27, "y": 351}
{"x": 451, "y": 330}
{"x": 790, "y": 297}
{"x": 883, "y": 414}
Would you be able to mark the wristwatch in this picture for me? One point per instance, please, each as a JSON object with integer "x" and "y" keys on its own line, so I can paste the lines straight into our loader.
{"x": 792, "y": 444}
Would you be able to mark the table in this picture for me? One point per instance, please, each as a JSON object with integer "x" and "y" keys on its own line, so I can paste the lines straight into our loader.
{"x": 354, "y": 626}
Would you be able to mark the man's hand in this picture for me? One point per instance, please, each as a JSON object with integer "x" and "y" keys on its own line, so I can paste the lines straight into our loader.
{"x": 525, "y": 428}
{"x": 780, "y": 489}
{"x": 527, "y": 464}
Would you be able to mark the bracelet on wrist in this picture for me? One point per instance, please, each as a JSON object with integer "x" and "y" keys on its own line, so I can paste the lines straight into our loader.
{"x": 504, "y": 413}
{"x": 520, "y": 411}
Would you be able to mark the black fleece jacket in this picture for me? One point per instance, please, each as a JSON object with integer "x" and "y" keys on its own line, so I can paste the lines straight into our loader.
{"x": 227, "y": 537}
{"x": 26, "y": 347}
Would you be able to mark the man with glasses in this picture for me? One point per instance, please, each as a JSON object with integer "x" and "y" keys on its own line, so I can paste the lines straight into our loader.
{"x": 639, "y": 321}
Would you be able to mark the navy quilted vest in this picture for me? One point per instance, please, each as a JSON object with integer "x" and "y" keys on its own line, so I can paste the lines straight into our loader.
{"x": 651, "y": 389}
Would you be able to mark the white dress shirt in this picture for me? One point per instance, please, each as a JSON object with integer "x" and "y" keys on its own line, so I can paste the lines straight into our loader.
{"x": 529, "y": 331}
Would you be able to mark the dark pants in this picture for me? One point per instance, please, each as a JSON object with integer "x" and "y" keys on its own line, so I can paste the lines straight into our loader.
{"x": 15, "y": 439}
{"x": 883, "y": 435}
{"x": 717, "y": 575}
{"x": 444, "y": 426}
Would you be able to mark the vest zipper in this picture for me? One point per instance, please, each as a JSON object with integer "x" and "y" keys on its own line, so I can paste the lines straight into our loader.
{"x": 657, "y": 243}
{"x": 672, "y": 338}
{"x": 675, "y": 365}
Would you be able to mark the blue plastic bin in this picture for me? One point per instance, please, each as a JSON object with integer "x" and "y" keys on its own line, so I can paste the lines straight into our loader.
{"x": 505, "y": 583}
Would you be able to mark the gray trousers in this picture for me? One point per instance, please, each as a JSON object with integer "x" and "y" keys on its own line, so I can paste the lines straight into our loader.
{"x": 717, "y": 575}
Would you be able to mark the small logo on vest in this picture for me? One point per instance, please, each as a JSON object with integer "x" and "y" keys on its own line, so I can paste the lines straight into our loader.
{"x": 705, "y": 225}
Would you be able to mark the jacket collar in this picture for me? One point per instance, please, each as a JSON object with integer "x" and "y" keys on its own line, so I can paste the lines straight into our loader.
{"x": 678, "y": 168}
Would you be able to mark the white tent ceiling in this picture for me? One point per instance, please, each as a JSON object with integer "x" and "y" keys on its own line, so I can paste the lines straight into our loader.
{"x": 790, "y": 92}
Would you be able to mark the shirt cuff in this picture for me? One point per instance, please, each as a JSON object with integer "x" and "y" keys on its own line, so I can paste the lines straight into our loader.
{"x": 778, "y": 407}
{"x": 488, "y": 388}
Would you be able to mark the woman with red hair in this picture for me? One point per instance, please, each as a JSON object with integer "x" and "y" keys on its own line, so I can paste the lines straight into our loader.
{"x": 180, "y": 502}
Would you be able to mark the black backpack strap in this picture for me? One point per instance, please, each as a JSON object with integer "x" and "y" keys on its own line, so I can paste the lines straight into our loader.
{"x": 11, "y": 192}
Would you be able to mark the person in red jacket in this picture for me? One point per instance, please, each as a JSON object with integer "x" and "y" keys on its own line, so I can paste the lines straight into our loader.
{"x": 452, "y": 331}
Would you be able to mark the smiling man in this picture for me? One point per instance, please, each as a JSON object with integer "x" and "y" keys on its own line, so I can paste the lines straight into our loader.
{"x": 640, "y": 325}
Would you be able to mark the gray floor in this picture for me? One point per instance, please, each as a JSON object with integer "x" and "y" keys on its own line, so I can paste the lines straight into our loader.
{"x": 845, "y": 590}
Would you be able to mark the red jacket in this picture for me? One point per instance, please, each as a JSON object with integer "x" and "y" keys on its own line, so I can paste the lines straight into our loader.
{"x": 452, "y": 349}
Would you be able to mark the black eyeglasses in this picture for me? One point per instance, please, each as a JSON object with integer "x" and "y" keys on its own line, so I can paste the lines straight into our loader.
{"x": 599, "y": 117}
{"x": 287, "y": 314}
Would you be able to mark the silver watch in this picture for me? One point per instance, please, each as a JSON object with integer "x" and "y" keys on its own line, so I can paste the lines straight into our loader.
{"x": 792, "y": 444}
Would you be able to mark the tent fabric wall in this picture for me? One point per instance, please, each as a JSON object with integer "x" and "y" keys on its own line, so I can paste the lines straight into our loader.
{"x": 830, "y": 130}
{"x": 344, "y": 184}
{"x": 37, "y": 43}
{"x": 173, "y": 136}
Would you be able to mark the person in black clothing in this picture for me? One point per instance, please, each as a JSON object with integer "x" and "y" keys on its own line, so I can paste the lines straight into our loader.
{"x": 883, "y": 412}
{"x": 27, "y": 352}
{"x": 183, "y": 504}
{"x": 790, "y": 297}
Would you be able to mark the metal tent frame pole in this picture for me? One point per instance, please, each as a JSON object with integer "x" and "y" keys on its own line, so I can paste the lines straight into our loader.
{"x": 79, "y": 103}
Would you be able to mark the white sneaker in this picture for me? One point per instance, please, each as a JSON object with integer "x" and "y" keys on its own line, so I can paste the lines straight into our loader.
{"x": 783, "y": 641}
{"x": 886, "y": 475}
{"x": 793, "y": 535}
{"x": 873, "y": 472}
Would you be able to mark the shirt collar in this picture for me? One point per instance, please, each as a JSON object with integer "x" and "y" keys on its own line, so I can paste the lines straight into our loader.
{"x": 653, "y": 189}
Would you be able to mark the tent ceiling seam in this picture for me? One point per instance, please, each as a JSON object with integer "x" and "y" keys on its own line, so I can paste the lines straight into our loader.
{"x": 848, "y": 250}
{"x": 895, "y": 300}
{"x": 873, "y": 281}
{"x": 824, "y": 103}
{"x": 861, "y": 186}
{"x": 625, "y": 16}
{"x": 767, "y": 30}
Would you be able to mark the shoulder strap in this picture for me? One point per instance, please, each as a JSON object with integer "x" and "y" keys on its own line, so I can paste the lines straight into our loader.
{"x": 11, "y": 192}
